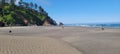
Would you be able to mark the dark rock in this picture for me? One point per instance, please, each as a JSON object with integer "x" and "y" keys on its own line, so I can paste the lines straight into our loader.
{"x": 2, "y": 24}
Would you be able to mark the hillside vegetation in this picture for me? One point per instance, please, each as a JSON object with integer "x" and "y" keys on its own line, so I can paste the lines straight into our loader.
{"x": 23, "y": 14}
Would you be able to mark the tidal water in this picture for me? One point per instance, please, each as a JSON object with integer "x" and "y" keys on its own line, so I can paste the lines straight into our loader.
{"x": 105, "y": 25}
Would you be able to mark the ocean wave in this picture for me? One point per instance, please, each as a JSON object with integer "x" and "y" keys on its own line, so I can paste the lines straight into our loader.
{"x": 96, "y": 25}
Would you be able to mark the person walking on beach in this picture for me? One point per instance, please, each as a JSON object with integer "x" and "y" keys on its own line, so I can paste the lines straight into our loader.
{"x": 102, "y": 28}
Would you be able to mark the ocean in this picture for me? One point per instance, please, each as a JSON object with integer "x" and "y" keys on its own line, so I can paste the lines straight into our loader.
{"x": 105, "y": 25}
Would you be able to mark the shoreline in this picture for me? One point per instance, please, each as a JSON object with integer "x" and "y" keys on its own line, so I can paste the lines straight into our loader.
{"x": 60, "y": 26}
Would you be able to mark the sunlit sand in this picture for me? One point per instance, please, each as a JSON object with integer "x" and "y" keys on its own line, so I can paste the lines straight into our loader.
{"x": 58, "y": 40}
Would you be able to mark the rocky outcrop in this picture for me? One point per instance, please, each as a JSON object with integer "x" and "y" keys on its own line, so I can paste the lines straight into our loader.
{"x": 48, "y": 21}
{"x": 2, "y": 24}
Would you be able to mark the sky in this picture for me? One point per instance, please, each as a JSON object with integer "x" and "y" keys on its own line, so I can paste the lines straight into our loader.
{"x": 81, "y": 11}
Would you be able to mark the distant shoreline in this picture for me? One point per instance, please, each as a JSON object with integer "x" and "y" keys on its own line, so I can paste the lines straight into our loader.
{"x": 105, "y": 25}
{"x": 117, "y": 25}
{"x": 55, "y": 26}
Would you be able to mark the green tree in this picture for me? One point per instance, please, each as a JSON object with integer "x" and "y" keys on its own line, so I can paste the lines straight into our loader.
{"x": 3, "y": 3}
{"x": 31, "y": 5}
{"x": 26, "y": 4}
{"x": 36, "y": 6}
{"x": 9, "y": 19}
{"x": 12, "y": 2}
{"x": 41, "y": 10}
{"x": 6, "y": 1}
{"x": 2, "y": 12}
{"x": 20, "y": 3}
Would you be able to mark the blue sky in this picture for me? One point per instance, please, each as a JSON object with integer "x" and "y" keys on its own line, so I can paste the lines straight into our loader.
{"x": 82, "y": 11}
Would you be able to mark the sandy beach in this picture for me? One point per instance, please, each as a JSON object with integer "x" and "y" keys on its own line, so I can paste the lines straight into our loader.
{"x": 58, "y": 40}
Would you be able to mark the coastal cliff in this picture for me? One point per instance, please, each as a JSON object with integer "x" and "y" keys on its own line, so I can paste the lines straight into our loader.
{"x": 23, "y": 14}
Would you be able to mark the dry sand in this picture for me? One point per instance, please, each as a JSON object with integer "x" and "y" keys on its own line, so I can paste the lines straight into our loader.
{"x": 55, "y": 40}
{"x": 34, "y": 45}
